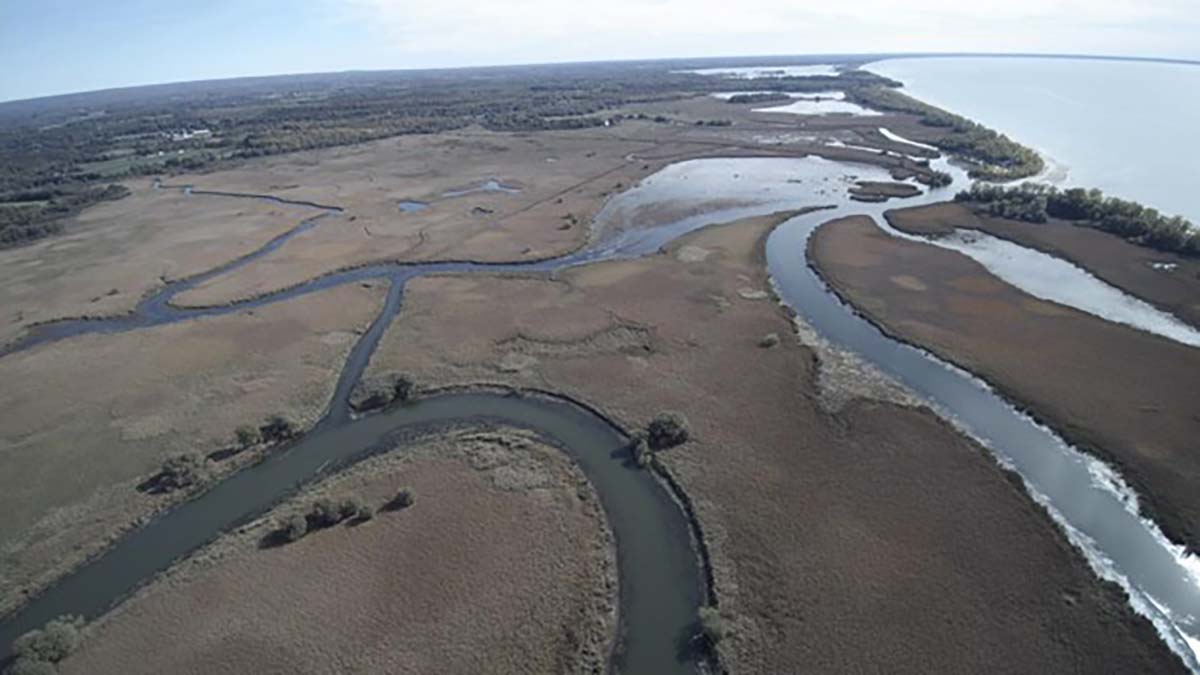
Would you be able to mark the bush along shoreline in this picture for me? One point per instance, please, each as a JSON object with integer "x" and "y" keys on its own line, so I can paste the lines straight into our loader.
{"x": 1133, "y": 222}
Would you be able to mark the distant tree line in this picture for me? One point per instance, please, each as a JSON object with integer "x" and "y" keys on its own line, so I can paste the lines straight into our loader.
{"x": 759, "y": 97}
{"x": 996, "y": 156}
{"x": 72, "y": 146}
{"x": 32, "y": 215}
{"x": 1037, "y": 203}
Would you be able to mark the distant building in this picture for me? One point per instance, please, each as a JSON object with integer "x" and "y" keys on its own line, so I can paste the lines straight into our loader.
{"x": 189, "y": 134}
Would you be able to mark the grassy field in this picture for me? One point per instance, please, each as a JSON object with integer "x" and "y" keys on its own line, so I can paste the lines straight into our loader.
{"x": 826, "y": 529}
{"x": 1136, "y": 269}
{"x": 84, "y": 421}
{"x": 503, "y": 565}
{"x": 1125, "y": 394}
{"x": 115, "y": 253}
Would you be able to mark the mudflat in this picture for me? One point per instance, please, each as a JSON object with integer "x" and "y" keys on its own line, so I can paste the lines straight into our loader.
{"x": 503, "y": 564}
{"x": 1166, "y": 280}
{"x": 853, "y": 535}
{"x": 85, "y": 420}
{"x": 1117, "y": 392}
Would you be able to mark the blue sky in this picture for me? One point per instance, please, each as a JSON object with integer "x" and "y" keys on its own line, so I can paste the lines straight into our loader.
{"x": 58, "y": 46}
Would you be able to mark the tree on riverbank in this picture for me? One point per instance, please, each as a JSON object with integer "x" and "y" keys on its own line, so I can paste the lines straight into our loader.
{"x": 667, "y": 430}
{"x": 37, "y": 650}
{"x": 1037, "y": 203}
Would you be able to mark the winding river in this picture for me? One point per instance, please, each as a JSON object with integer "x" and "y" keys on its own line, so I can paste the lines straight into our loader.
{"x": 662, "y": 580}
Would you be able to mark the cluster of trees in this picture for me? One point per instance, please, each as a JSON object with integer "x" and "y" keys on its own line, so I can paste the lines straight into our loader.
{"x": 937, "y": 178}
{"x": 378, "y": 392}
{"x": 183, "y": 471}
{"x": 666, "y": 430}
{"x": 28, "y": 215}
{"x": 327, "y": 512}
{"x": 996, "y": 156}
{"x": 1036, "y": 203}
{"x": 760, "y": 97}
{"x": 37, "y": 652}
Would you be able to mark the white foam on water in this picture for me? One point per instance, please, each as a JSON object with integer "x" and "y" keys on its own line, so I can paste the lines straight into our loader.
{"x": 892, "y": 136}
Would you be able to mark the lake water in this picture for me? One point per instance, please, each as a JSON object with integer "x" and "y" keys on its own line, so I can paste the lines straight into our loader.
{"x": 1128, "y": 128}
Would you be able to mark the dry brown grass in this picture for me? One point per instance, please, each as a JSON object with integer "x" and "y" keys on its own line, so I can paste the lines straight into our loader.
{"x": 875, "y": 538}
{"x": 1129, "y": 394}
{"x": 129, "y": 246}
{"x": 85, "y": 420}
{"x": 1105, "y": 255}
{"x": 564, "y": 180}
{"x": 503, "y": 565}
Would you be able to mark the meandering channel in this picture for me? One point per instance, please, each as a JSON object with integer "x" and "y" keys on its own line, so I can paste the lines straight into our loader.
{"x": 660, "y": 578}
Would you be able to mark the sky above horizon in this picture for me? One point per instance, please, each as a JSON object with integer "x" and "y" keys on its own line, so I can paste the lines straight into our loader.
{"x": 61, "y": 46}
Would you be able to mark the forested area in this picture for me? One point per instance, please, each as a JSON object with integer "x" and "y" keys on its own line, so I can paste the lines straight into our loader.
{"x": 1037, "y": 203}
{"x": 996, "y": 156}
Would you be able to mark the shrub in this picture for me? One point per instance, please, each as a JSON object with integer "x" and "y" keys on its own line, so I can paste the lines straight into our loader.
{"x": 642, "y": 454}
{"x": 712, "y": 625}
{"x": 247, "y": 436}
{"x": 377, "y": 392}
{"x": 278, "y": 428}
{"x": 365, "y": 512}
{"x": 939, "y": 179}
{"x": 182, "y": 471}
{"x": 769, "y": 340}
{"x": 294, "y": 528}
{"x": 49, "y": 644}
{"x": 403, "y": 499}
{"x": 403, "y": 388}
{"x": 667, "y": 430}
{"x": 325, "y": 513}
{"x": 352, "y": 507}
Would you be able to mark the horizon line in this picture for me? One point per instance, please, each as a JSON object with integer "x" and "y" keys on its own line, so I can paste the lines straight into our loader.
{"x": 863, "y": 58}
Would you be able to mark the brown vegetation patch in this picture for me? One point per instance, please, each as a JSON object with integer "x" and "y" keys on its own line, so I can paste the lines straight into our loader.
{"x": 1109, "y": 388}
{"x": 548, "y": 217}
{"x": 115, "y": 253}
{"x": 85, "y": 420}
{"x": 838, "y": 541}
{"x": 503, "y": 564}
{"x": 618, "y": 338}
{"x": 1169, "y": 281}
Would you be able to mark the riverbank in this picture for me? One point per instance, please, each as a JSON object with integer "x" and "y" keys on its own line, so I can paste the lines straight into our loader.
{"x": 115, "y": 253}
{"x": 410, "y": 590}
{"x": 1121, "y": 394}
{"x": 825, "y": 528}
{"x": 87, "y": 420}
